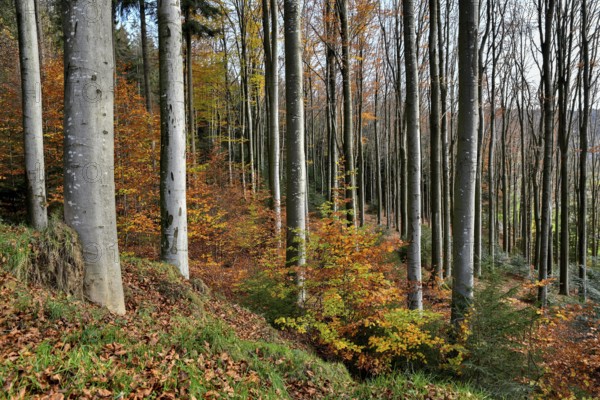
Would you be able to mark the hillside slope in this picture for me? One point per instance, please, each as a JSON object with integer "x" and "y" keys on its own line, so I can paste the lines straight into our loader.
{"x": 174, "y": 342}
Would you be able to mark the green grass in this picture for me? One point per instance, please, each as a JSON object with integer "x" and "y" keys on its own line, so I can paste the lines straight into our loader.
{"x": 68, "y": 345}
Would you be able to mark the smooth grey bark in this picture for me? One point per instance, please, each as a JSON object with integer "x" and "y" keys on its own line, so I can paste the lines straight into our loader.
{"x": 89, "y": 187}
{"x": 415, "y": 292}
{"x": 146, "y": 66}
{"x": 296, "y": 164}
{"x": 434, "y": 126}
{"x": 348, "y": 132}
{"x": 466, "y": 161}
{"x": 33, "y": 137}
{"x": 548, "y": 115}
{"x": 173, "y": 206}
{"x": 270, "y": 27}
{"x": 445, "y": 145}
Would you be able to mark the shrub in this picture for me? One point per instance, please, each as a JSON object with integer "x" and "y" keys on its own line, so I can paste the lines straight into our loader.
{"x": 353, "y": 306}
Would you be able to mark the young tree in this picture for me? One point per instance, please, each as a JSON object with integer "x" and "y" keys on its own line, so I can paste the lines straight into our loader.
{"x": 415, "y": 295}
{"x": 466, "y": 161}
{"x": 32, "y": 114}
{"x": 89, "y": 188}
{"x": 296, "y": 164}
{"x": 173, "y": 208}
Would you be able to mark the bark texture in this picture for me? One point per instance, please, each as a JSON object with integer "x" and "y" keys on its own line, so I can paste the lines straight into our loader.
{"x": 466, "y": 161}
{"x": 296, "y": 165}
{"x": 173, "y": 209}
{"x": 89, "y": 187}
{"x": 31, "y": 89}
{"x": 415, "y": 293}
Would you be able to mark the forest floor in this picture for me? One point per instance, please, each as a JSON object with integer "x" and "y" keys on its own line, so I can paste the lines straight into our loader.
{"x": 176, "y": 341}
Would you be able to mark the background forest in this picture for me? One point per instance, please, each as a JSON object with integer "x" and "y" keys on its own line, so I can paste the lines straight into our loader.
{"x": 288, "y": 199}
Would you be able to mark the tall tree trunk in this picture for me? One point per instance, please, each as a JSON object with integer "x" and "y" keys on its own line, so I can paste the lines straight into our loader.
{"x": 191, "y": 126}
{"x": 272, "y": 84}
{"x": 377, "y": 150}
{"x": 296, "y": 165}
{"x": 146, "y": 66}
{"x": 361, "y": 156}
{"x": 89, "y": 186}
{"x": 33, "y": 137}
{"x": 173, "y": 208}
{"x": 466, "y": 162}
{"x": 331, "y": 106}
{"x": 548, "y": 107}
{"x": 434, "y": 117}
{"x": 415, "y": 292}
{"x": 583, "y": 144}
{"x": 349, "y": 168}
{"x": 445, "y": 145}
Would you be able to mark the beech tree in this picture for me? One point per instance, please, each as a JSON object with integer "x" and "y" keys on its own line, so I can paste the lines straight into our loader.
{"x": 415, "y": 296}
{"x": 173, "y": 208}
{"x": 466, "y": 159}
{"x": 296, "y": 161}
{"x": 89, "y": 188}
{"x": 271, "y": 50}
{"x": 435, "y": 134}
{"x": 31, "y": 88}
{"x": 348, "y": 134}
{"x": 546, "y": 8}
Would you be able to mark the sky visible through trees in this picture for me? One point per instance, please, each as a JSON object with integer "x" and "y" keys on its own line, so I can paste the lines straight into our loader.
{"x": 363, "y": 172}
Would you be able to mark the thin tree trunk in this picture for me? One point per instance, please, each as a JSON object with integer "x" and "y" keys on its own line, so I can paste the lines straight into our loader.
{"x": 583, "y": 144}
{"x": 436, "y": 186}
{"x": 349, "y": 168}
{"x": 33, "y": 137}
{"x": 146, "y": 66}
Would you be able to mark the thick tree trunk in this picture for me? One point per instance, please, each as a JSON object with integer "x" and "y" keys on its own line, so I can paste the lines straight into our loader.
{"x": 296, "y": 165}
{"x": 466, "y": 163}
{"x": 89, "y": 187}
{"x": 174, "y": 239}
{"x": 33, "y": 138}
{"x": 415, "y": 293}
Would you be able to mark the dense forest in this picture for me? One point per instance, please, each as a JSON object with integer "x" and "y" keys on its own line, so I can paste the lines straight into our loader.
{"x": 300, "y": 199}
